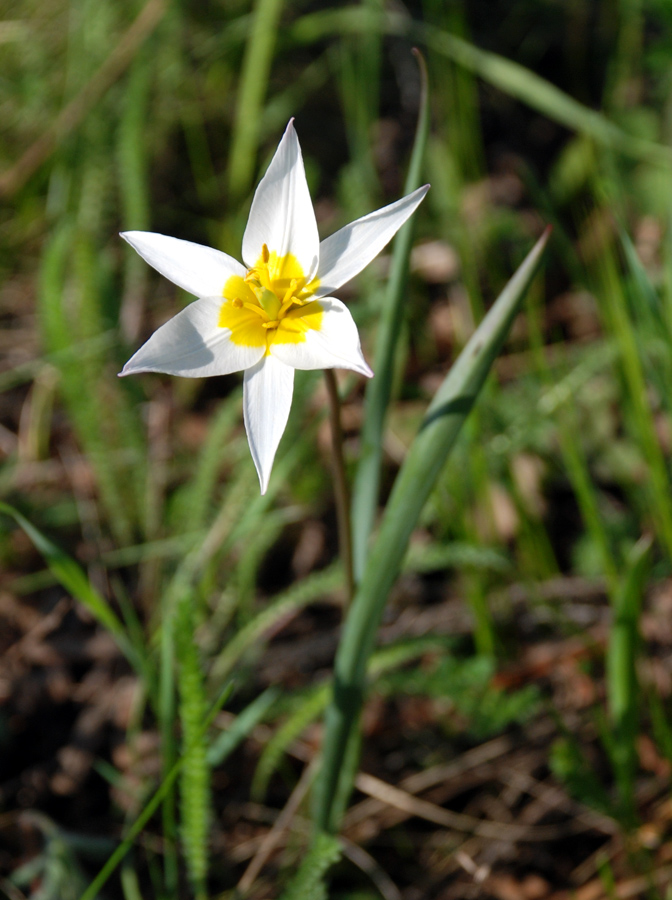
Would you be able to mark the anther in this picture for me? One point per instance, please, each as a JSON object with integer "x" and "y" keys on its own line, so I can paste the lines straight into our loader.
{"x": 238, "y": 303}
{"x": 269, "y": 325}
{"x": 265, "y": 255}
{"x": 256, "y": 309}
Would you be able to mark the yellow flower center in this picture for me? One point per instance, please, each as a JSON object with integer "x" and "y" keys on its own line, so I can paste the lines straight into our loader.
{"x": 271, "y": 304}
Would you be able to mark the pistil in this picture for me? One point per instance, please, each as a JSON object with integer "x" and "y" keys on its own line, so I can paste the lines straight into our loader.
{"x": 269, "y": 304}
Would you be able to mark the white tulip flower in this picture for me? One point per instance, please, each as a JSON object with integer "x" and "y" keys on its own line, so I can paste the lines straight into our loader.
{"x": 274, "y": 314}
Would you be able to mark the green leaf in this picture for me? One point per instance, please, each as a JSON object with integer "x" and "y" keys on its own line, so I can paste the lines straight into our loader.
{"x": 226, "y": 742}
{"x": 307, "y": 710}
{"x": 422, "y": 466}
{"x": 195, "y": 792}
{"x": 251, "y": 93}
{"x": 622, "y": 682}
{"x": 296, "y": 597}
{"x": 70, "y": 575}
{"x": 150, "y": 808}
{"x": 570, "y": 766}
{"x": 378, "y": 389}
{"x": 309, "y": 881}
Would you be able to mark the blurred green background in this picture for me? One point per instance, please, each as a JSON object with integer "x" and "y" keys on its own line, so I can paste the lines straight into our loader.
{"x": 535, "y": 605}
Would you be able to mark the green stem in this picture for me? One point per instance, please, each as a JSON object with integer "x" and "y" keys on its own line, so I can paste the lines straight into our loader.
{"x": 340, "y": 481}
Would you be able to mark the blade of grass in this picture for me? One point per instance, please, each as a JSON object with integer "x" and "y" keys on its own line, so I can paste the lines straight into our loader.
{"x": 557, "y": 399}
{"x": 133, "y": 184}
{"x": 162, "y": 791}
{"x": 75, "y": 112}
{"x": 307, "y": 707}
{"x": 130, "y": 883}
{"x": 458, "y": 88}
{"x": 253, "y": 84}
{"x": 356, "y": 59}
{"x": 622, "y": 685}
{"x": 428, "y": 453}
{"x": 378, "y": 390}
{"x": 586, "y": 492}
{"x": 195, "y": 794}
{"x": 70, "y": 575}
{"x": 485, "y": 640}
{"x": 224, "y": 745}
{"x": 106, "y": 425}
{"x": 652, "y": 328}
{"x": 166, "y": 716}
{"x": 308, "y": 883}
{"x": 299, "y": 595}
{"x": 193, "y": 505}
{"x": 610, "y": 290}
{"x": 502, "y": 73}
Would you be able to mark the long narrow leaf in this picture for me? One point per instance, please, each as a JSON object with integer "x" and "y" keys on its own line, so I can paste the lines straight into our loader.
{"x": 417, "y": 477}
{"x": 622, "y": 684}
{"x": 309, "y": 881}
{"x": 195, "y": 798}
{"x": 224, "y": 745}
{"x": 367, "y": 480}
{"x": 253, "y": 84}
{"x": 307, "y": 591}
{"x": 150, "y": 808}
{"x": 69, "y": 574}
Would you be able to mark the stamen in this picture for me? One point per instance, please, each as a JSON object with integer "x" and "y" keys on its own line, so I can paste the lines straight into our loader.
{"x": 265, "y": 286}
{"x": 290, "y": 290}
{"x": 289, "y": 299}
{"x": 256, "y": 309}
{"x": 265, "y": 279}
{"x": 285, "y": 306}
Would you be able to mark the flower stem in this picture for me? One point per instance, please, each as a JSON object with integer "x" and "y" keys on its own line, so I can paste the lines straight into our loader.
{"x": 340, "y": 481}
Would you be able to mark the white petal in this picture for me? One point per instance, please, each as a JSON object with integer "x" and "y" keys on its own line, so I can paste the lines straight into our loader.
{"x": 282, "y": 215}
{"x": 202, "y": 271}
{"x": 267, "y": 397}
{"x": 192, "y": 344}
{"x": 335, "y": 346}
{"x": 348, "y": 251}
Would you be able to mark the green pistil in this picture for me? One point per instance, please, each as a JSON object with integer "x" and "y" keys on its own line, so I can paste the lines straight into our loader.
{"x": 269, "y": 303}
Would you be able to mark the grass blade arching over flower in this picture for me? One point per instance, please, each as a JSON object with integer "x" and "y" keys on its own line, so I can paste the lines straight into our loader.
{"x": 275, "y": 313}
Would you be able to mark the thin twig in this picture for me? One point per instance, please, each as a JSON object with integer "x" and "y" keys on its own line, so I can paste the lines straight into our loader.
{"x": 429, "y": 778}
{"x": 274, "y": 836}
{"x": 340, "y": 481}
{"x": 364, "y": 861}
{"x": 431, "y": 812}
